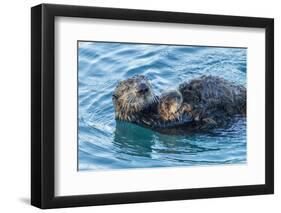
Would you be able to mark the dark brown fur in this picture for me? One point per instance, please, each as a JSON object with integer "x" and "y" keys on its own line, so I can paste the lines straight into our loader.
{"x": 202, "y": 103}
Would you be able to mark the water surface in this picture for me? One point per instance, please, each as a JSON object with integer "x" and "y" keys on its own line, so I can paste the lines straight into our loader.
{"x": 104, "y": 143}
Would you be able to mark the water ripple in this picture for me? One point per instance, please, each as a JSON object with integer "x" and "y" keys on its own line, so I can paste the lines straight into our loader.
{"x": 107, "y": 144}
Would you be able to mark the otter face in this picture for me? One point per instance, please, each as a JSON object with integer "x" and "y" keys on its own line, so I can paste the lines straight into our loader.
{"x": 132, "y": 95}
{"x": 169, "y": 103}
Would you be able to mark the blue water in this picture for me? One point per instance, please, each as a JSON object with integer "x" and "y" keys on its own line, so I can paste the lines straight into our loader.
{"x": 104, "y": 143}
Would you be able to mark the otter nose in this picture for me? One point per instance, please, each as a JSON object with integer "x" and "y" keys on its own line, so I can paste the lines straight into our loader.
{"x": 143, "y": 88}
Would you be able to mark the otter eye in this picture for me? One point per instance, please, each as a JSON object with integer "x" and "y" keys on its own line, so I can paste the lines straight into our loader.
{"x": 144, "y": 77}
{"x": 130, "y": 81}
{"x": 114, "y": 96}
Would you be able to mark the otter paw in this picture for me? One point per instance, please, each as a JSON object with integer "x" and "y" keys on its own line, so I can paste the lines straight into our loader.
{"x": 209, "y": 121}
{"x": 186, "y": 107}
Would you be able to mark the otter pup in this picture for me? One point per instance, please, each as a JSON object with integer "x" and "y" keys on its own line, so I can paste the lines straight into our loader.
{"x": 171, "y": 106}
{"x": 201, "y": 103}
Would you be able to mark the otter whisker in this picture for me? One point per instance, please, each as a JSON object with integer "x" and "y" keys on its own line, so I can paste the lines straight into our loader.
{"x": 130, "y": 100}
{"x": 133, "y": 99}
{"x": 124, "y": 108}
{"x": 155, "y": 99}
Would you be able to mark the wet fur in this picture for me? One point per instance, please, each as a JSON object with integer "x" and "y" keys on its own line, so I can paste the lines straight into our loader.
{"x": 202, "y": 103}
{"x": 171, "y": 107}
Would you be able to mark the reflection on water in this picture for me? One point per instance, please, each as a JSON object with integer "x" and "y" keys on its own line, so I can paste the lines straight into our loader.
{"x": 108, "y": 144}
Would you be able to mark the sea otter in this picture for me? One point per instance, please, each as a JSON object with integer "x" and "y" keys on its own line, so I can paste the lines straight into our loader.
{"x": 202, "y": 103}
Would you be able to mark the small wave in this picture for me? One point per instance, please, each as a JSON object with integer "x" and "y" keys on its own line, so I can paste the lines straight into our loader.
{"x": 107, "y": 144}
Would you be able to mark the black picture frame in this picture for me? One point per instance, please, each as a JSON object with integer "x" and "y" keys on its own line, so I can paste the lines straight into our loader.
{"x": 43, "y": 102}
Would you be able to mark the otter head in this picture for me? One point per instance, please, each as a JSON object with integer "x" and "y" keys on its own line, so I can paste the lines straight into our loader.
{"x": 169, "y": 103}
{"x": 132, "y": 96}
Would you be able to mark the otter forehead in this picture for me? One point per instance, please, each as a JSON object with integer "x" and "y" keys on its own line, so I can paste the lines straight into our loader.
{"x": 133, "y": 84}
{"x": 172, "y": 95}
{"x": 135, "y": 80}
